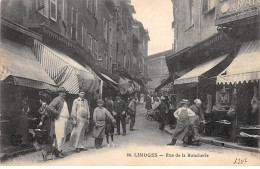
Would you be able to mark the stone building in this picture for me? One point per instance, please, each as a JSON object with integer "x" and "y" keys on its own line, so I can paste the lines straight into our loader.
{"x": 157, "y": 69}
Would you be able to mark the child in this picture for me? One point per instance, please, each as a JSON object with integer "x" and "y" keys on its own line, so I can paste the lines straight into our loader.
{"x": 99, "y": 117}
{"x": 109, "y": 130}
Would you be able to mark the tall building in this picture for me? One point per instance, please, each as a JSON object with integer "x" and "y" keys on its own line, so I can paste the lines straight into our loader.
{"x": 157, "y": 69}
{"x": 216, "y": 43}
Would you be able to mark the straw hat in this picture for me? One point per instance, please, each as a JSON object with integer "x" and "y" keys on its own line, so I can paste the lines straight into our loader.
{"x": 62, "y": 89}
{"x": 185, "y": 101}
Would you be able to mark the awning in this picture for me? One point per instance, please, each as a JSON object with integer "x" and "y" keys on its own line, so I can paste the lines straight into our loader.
{"x": 168, "y": 80}
{"x": 108, "y": 78}
{"x": 194, "y": 74}
{"x": 63, "y": 70}
{"x": 19, "y": 62}
{"x": 245, "y": 66}
{"x": 127, "y": 86}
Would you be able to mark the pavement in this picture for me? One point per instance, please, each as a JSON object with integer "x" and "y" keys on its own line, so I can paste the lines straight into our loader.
{"x": 146, "y": 138}
{"x": 218, "y": 141}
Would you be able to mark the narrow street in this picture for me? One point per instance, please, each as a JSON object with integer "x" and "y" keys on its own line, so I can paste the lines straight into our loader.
{"x": 148, "y": 139}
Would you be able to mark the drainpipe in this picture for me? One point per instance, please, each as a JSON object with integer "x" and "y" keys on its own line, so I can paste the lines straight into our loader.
{"x": 200, "y": 13}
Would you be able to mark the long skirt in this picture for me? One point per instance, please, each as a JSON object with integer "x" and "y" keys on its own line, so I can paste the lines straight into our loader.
{"x": 78, "y": 133}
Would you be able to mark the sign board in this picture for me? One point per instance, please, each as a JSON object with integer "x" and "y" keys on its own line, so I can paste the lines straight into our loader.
{"x": 234, "y": 10}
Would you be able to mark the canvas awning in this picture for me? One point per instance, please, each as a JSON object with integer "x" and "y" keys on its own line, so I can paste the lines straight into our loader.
{"x": 194, "y": 74}
{"x": 245, "y": 67}
{"x": 63, "y": 70}
{"x": 168, "y": 80}
{"x": 19, "y": 62}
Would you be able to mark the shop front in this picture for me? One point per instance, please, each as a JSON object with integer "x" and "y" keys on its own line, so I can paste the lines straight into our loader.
{"x": 21, "y": 80}
{"x": 238, "y": 94}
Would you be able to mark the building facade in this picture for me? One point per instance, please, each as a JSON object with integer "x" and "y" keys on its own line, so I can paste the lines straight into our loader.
{"x": 211, "y": 45}
{"x": 157, "y": 69}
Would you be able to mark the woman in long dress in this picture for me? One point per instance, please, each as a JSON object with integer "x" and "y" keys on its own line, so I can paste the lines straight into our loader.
{"x": 99, "y": 117}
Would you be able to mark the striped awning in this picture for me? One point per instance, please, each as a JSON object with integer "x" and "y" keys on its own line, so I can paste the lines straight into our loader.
{"x": 18, "y": 61}
{"x": 194, "y": 74}
{"x": 63, "y": 70}
{"x": 245, "y": 67}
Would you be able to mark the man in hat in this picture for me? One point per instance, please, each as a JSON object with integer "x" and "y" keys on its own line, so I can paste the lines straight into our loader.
{"x": 195, "y": 120}
{"x": 120, "y": 109}
{"x": 59, "y": 108}
{"x": 80, "y": 114}
{"x": 182, "y": 115}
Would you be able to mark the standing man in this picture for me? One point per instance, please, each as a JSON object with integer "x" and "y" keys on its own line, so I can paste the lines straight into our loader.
{"x": 132, "y": 113}
{"x": 59, "y": 108}
{"x": 80, "y": 114}
{"x": 120, "y": 109}
{"x": 195, "y": 120}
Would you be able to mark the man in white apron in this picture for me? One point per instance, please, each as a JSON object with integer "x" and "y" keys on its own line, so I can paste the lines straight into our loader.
{"x": 59, "y": 108}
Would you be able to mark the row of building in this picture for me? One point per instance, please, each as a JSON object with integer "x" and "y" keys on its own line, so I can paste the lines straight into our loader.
{"x": 94, "y": 45}
{"x": 217, "y": 59}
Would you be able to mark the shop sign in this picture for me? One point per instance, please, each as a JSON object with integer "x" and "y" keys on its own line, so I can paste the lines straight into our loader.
{"x": 233, "y": 10}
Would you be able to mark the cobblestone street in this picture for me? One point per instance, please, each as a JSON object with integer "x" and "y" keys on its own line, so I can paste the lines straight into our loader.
{"x": 136, "y": 146}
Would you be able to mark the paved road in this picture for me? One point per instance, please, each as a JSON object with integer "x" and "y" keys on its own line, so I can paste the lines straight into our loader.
{"x": 145, "y": 146}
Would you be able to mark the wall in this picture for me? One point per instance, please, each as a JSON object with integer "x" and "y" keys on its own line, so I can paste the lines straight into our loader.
{"x": 157, "y": 69}
{"x": 188, "y": 33}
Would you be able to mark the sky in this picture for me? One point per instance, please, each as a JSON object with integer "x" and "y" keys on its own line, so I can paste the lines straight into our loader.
{"x": 157, "y": 17}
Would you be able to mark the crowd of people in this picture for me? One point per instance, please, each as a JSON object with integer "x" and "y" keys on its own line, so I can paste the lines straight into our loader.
{"x": 107, "y": 116}
{"x": 185, "y": 120}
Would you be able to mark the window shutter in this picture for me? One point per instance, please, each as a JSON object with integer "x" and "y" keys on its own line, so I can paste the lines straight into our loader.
{"x": 205, "y": 6}
{"x": 40, "y": 4}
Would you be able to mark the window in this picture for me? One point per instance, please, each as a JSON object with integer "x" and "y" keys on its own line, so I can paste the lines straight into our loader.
{"x": 90, "y": 43}
{"x": 111, "y": 36}
{"x": 85, "y": 37}
{"x": 82, "y": 35}
{"x": 42, "y": 7}
{"x": 208, "y": 5}
{"x": 74, "y": 24}
{"x": 89, "y": 5}
{"x": 53, "y": 10}
{"x": 63, "y": 10}
{"x": 106, "y": 60}
{"x": 95, "y": 49}
{"x": 95, "y": 7}
{"x": 190, "y": 13}
{"x": 105, "y": 29}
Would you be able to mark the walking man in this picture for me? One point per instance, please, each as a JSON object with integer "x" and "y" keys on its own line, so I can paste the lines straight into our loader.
{"x": 80, "y": 114}
{"x": 59, "y": 108}
{"x": 132, "y": 113}
{"x": 120, "y": 109}
{"x": 195, "y": 120}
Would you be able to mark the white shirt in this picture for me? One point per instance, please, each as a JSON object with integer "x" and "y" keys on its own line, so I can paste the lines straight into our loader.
{"x": 178, "y": 111}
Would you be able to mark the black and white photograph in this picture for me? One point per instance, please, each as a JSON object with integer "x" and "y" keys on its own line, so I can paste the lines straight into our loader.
{"x": 130, "y": 83}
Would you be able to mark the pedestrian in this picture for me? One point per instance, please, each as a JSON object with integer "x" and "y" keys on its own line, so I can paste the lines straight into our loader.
{"x": 46, "y": 125}
{"x": 195, "y": 120}
{"x": 20, "y": 124}
{"x": 109, "y": 129}
{"x": 183, "y": 123}
{"x": 120, "y": 110}
{"x": 172, "y": 119}
{"x": 163, "y": 109}
{"x": 99, "y": 117}
{"x": 148, "y": 104}
{"x": 132, "y": 113}
{"x": 141, "y": 98}
{"x": 59, "y": 108}
{"x": 80, "y": 114}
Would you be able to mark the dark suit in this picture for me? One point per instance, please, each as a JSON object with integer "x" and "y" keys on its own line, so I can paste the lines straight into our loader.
{"x": 119, "y": 107}
{"x": 56, "y": 106}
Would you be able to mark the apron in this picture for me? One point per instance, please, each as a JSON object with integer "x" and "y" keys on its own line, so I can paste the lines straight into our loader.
{"x": 182, "y": 126}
